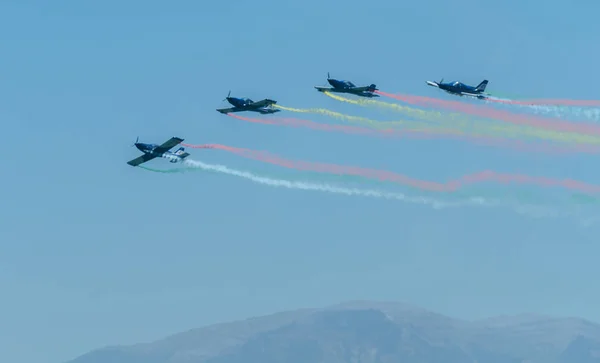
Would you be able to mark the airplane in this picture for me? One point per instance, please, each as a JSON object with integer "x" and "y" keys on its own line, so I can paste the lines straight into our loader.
{"x": 348, "y": 87}
{"x": 461, "y": 89}
{"x": 152, "y": 151}
{"x": 246, "y": 104}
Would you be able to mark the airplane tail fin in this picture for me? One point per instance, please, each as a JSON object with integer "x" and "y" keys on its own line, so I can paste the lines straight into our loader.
{"x": 180, "y": 152}
{"x": 481, "y": 87}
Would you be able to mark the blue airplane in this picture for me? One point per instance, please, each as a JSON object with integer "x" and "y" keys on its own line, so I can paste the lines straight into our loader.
{"x": 348, "y": 87}
{"x": 152, "y": 151}
{"x": 246, "y": 104}
{"x": 461, "y": 89}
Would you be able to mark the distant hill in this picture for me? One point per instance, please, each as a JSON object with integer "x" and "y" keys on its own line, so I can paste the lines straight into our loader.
{"x": 370, "y": 332}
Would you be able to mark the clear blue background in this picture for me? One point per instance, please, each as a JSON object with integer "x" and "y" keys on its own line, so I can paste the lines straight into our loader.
{"x": 94, "y": 252}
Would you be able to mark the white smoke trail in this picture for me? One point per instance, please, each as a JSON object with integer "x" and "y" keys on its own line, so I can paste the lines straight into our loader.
{"x": 592, "y": 114}
{"x": 525, "y": 209}
{"x": 323, "y": 187}
{"x": 559, "y": 111}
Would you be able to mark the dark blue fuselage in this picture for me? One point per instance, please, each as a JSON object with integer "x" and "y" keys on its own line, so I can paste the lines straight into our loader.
{"x": 460, "y": 88}
{"x": 146, "y": 148}
{"x": 348, "y": 87}
{"x": 340, "y": 84}
{"x": 150, "y": 149}
{"x": 239, "y": 102}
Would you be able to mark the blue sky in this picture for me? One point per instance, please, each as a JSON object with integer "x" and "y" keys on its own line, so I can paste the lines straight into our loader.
{"x": 94, "y": 252}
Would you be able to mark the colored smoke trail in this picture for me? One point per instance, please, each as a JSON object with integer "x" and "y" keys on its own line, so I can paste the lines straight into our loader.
{"x": 574, "y": 114}
{"x": 525, "y": 203}
{"x": 485, "y": 176}
{"x": 496, "y": 114}
{"x": 415, "y": 125}
{"x": 534, "y": 211}
{"x": 359, "y": 119}
{"x": 413, "y": 112}
{"x": 551, "y": 102}
{"x": 526, "y": 101}
{"x": 564, "y": 108}
{"x": 459, "y": 120}
{"x": 308, "y": 124}
{"x": 282, "y": 183}
{"x": 333, "y": 114}
{"x": 324, "y": 178}
{"x": 420, "y": 133}
{"x": 417, "y": 133}
{"x": 473, "y": 131}
{"x": 426, "y": 134}
{"x": 417, "y": 129}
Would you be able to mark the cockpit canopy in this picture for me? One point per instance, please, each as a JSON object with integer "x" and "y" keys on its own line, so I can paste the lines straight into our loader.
{"x": 340, "y": 83}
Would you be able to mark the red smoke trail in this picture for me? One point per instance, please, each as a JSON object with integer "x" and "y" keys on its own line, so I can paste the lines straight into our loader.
{"x": 402, "y": 179}
{"x": 424, "y": 134}
{"x": 293, "y": 122}
{"x": 497, "y": 114}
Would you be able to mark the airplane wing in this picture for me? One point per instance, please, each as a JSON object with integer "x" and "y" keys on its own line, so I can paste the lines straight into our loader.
{"x": 229, "y": 110}
{"x": 266, "y": 111}
{"x": 168, "y": 145}
{"x": 323, "y": 89}
{"x": 141, "y": 159}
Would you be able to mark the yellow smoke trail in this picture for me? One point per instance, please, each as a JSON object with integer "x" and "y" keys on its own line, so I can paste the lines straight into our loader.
{"x": 473, "y": 128}
{"x": 458, "y": 121}
{"x": 435, "y": 116}
{"x": 414, "y": 125}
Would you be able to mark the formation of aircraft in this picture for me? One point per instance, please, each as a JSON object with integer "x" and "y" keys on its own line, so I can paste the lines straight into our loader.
{"x": 246, "y": 104}
{"x": 461, "y": 89}
{"x": 348, "y": 87}
{"x": 152, "y": 151}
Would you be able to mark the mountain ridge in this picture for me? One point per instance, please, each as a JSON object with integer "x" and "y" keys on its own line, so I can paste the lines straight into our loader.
{"x": 370, "y": 332}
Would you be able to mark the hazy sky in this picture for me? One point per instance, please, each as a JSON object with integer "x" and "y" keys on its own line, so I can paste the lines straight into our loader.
{"x": 94, "y": 252}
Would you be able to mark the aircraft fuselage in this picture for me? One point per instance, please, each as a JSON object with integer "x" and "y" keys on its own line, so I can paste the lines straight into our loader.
{"x": 149, "y": 149}
{"x": 239, "y": 102}
{"x": 245, "y": 104}
{"x": 461, "y": 89}
{"x": 340, "y": 85}
{"x": 348, "y": 87}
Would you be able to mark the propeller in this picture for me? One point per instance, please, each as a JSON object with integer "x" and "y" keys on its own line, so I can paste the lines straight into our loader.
{"x": 228, "y": 94}
{"x": 328, "y": 76}
{"x": 136, "y": 141}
